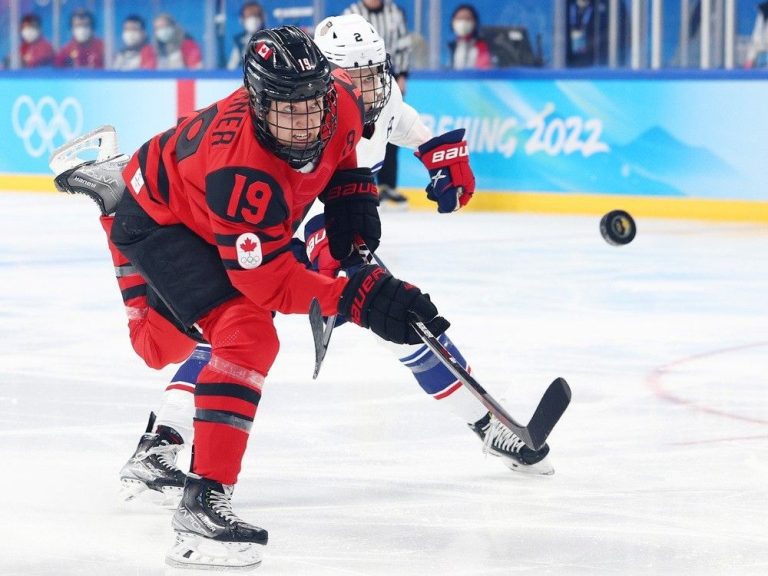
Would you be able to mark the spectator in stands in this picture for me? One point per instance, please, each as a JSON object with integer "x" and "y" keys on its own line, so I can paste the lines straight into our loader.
{"x": 174, "y": 48}
{"x": 468, "y": 51}
{"x": 84, "y": 50}
{"x": 137, "y": 53}
{"x": 757, "y": 53}
{"x": 252, "y": 20}
{"x": 587, "y": 40}
{"x": 388, "y": 19}
{"x": 36, "y": 51}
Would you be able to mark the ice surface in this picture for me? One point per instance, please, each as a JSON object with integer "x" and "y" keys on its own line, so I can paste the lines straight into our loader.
{"x": 661, "y": 459}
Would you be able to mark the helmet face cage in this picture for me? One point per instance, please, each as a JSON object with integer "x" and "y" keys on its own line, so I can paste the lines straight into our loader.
{"x": 375, "y": 84}
{"x": 350, "y": 42}
{"x": 292, "y": 95}
{"x": 295, "y": 130}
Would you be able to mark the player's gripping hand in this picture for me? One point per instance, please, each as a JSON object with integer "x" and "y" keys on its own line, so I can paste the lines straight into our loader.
{"x": 351, "y": 212}
{"x": 374, "y": 299}
{"x": 318, "y": 252}
{"x": 451, "y": 181}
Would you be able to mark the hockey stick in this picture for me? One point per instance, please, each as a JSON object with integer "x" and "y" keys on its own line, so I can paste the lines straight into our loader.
{"x": 321, "y": 333}
{"x": 548, "y": 412}
{"x": 322, "y": 330}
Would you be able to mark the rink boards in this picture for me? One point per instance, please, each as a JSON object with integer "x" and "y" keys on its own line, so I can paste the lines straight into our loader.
{"x": 682, "y": 146}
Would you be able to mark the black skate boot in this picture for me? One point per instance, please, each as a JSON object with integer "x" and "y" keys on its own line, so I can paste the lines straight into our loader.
{"x": 498, "y": 440}
{"x": 153, "y": 466}
{"x": 208, "y": 534}
{"x": 100, "y": 179}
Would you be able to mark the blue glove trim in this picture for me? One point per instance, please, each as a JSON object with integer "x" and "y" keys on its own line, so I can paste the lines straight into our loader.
{"x": 452, "y": 137}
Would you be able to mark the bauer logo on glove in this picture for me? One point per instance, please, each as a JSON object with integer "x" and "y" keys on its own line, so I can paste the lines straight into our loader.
{"x": 451, "y": 181}
{"x": 351, "y": 211}
{"x": 374, "y": 299}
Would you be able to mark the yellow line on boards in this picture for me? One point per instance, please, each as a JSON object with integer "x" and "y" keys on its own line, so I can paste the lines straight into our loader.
{"x": 26, "y": 183}
{"x": 598, "y": 204}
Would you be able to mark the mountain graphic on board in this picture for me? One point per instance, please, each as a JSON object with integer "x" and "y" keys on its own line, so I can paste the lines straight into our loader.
{"x": 653, "y": 164}
{"x": 659, "y": 153}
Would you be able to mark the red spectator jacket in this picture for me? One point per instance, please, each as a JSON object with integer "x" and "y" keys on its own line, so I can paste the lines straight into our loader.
{"x": 142, "y": 58}
{"x": 471, "y": 53}
{"x": 184, "y": 55}
{"x": 36, "y": 54}
{"x": 87, "y": 55}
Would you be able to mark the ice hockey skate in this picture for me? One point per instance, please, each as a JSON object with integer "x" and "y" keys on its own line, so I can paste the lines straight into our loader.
{"x": 391, "y": 199}
{"x": 151, "y": 471}
{"x": 500, "y": 441}
{"x": 208, "y": 534}
{"x": 100, "y": 179}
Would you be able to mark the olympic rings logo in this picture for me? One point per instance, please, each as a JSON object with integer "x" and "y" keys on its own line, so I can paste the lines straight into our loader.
{"x": 46, "y": 124}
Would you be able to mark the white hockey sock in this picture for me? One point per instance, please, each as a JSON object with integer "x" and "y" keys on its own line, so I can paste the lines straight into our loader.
{"x": 437, "y": 381}
{"x": 177, "y": 408}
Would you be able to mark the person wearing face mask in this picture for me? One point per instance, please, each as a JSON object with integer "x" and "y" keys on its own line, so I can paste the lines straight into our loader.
{"x": 468, "y": 50}
{"x": 175, "y": 49}
{"x": 36, "y": 51}
{"x": 252, "y": 20}
{"x": 84, "y": 50}
{"x": 137, "y": 53}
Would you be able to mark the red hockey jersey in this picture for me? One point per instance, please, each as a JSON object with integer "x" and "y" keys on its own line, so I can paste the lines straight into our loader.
{"x": 211, "y": 174}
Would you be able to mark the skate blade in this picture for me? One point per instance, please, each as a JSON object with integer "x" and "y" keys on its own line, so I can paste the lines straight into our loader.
{"x": 136, "y": 490}
{"x": 542, "y": 468}
{"x": 192, "y": 551}
{"x": 392, "y": 206}
{"x": 171, "y": 496}
{"x": 102, "y": 140}
{"x": 130, "y": 489}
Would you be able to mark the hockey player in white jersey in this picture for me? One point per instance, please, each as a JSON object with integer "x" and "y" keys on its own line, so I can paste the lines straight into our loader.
{"x": 350, "y": 42}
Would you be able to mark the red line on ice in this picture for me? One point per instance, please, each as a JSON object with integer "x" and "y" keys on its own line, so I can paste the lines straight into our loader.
{"x": 655, "y": 378}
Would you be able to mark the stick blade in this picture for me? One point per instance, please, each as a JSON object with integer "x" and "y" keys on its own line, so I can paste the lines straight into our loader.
{"x": 316, "y": 323}
{"x": 551, "y": 407}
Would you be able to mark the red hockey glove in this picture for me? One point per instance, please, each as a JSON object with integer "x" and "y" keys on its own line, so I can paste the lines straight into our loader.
{"x": 452, "y": 182}
{"x": 319, "y": 254}
{"x": 351, "y": 212}
{"x": 374, "y": 299}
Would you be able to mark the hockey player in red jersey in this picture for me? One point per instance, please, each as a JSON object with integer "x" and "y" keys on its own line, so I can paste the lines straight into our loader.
{"x": 201, "y": 241}
{"x": 350, "y": 43}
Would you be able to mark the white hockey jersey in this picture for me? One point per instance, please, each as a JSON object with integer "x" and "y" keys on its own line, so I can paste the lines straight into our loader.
{"x": 398, "y": 124}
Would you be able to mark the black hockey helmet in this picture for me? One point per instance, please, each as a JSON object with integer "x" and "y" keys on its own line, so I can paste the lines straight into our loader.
{"x": 284, "y": 65}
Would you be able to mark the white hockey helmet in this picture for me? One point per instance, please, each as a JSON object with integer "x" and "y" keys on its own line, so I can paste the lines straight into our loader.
{"x": 350, "y": 42}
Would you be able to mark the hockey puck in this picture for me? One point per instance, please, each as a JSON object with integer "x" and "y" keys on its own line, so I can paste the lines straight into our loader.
{"x": 618, "y": 228}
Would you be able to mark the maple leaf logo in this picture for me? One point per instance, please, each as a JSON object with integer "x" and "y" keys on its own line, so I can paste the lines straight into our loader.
{"x": 248, "y": 246}
{"x": 264, "y": 51}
